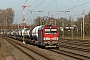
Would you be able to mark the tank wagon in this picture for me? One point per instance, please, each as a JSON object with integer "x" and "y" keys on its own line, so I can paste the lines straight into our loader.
{"x": 24, "y": 34}
{"x": 35, "y": 32}
{"x": 43, "y": 35}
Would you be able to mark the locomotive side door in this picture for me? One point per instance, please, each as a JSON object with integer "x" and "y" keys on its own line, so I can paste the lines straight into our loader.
{"x": 40, "y": 36}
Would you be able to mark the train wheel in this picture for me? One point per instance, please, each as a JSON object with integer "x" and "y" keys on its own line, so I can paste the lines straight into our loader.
{"x": 57, "y": 48}
{"x": 42, "y": 46}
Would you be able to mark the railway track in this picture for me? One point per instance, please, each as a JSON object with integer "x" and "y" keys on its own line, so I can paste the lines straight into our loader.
{"x": 69, "y": 51}
{"x": 43, "y": 55}
{"x": 74, "y": 55}
{"x": 84, "y": 43}
{"x": 76, "y": 48}
{"x": 76, "y": 45}
{"x": 79, "y": 50}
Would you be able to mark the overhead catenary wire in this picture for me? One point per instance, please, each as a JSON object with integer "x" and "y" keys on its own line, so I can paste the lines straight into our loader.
{"x": 67, "y": 9}
{"x": 58, "y": 13}
{"x": 48, "y": 5}
{"x": 78, "y": 5}
{"x": 33, "y": 8}
{"x": 74, "y": 7}
{"x": 36, "y": 6}
{"x": 39, "y": 4}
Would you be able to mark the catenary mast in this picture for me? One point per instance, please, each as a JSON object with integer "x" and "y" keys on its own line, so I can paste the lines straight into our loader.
{"x": 23, "y": 14}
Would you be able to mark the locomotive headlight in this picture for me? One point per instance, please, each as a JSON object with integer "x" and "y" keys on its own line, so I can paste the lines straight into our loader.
{"x": 45, "y": 38}
{"x": 55, "y": 38}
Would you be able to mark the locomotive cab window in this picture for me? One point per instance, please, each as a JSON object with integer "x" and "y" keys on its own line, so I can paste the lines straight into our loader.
{"x": 50, "y": 31}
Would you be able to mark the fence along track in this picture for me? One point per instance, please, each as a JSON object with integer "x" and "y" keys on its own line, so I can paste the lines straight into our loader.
{"x": 31, "y": 49}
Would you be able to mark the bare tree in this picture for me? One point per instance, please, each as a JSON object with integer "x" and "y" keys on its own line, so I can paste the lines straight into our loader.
{"x": 6, "y": 16}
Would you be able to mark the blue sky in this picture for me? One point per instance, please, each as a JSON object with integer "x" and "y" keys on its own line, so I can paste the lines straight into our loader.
{"x": 52, "y": 6}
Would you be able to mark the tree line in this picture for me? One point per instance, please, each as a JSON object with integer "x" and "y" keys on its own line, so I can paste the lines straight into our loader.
{"x": 6, "y": 16}
{"x": 64, "y": 22}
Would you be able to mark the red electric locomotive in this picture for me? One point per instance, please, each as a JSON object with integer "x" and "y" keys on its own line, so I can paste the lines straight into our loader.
{"x": 48, "y": 36}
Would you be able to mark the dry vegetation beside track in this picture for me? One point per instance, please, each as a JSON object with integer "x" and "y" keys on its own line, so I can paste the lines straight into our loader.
{"x": 4, "y": 51}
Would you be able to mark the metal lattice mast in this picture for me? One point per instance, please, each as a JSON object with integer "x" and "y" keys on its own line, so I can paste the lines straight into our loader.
{"x": 23, "y": 13}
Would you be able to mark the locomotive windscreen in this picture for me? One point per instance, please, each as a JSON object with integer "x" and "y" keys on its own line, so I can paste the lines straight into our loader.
{"x": 50, "y": 31}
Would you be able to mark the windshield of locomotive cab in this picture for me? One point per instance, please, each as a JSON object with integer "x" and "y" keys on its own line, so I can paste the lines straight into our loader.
{"x": 50, "y": 31}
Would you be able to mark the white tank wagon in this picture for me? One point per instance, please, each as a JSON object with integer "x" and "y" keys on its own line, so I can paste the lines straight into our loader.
{"x": 25, "y": 34}
{"x": 16, "y": 34}
{"x": 12, "y": 33}
{"x": 35, "y": 32}
{"x": 19, "y": 32}
{"x": 9, "y": 34}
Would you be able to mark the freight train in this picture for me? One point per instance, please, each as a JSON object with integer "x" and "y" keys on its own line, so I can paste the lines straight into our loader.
{"x": 43, "y": 35}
